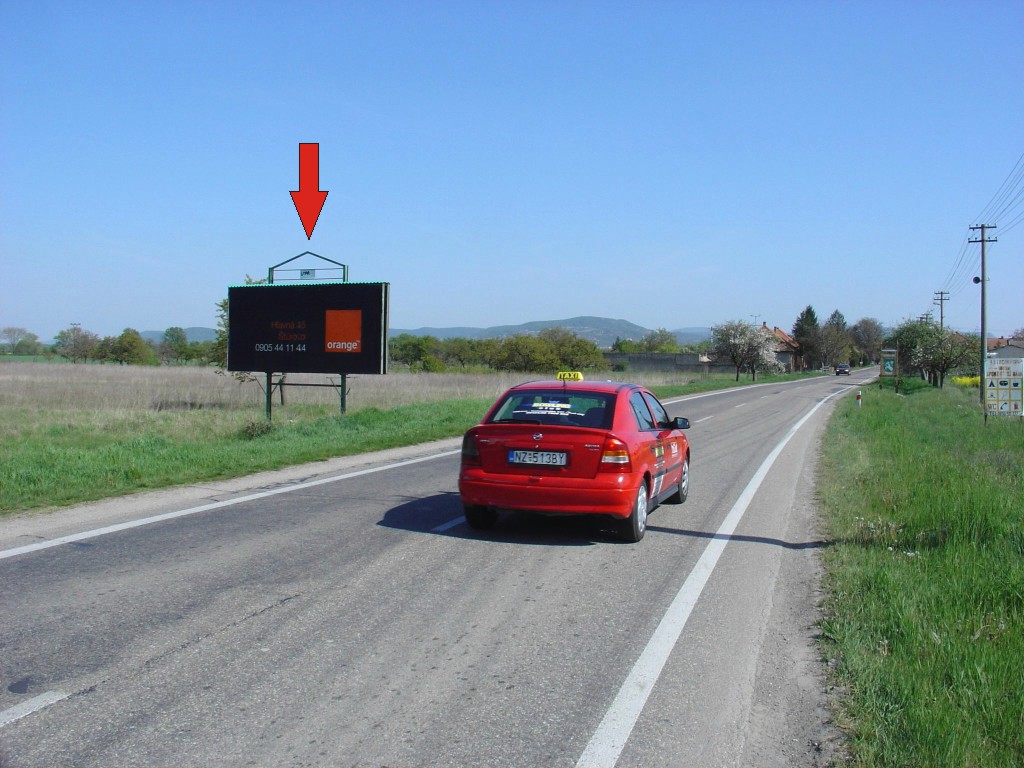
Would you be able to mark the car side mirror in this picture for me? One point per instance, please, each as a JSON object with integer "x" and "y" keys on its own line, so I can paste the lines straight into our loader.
{"x": 679, "y": 422}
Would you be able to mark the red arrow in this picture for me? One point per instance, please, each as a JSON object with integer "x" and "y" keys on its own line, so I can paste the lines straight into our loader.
{"x": 309, "y": 200}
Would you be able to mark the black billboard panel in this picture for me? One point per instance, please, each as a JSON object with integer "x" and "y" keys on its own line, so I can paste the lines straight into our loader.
{"x": 318, "y": 328}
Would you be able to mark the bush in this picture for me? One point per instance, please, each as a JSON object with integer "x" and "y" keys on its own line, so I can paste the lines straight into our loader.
{"x": 257, "y": 428}
{"x": 433, "y": 364}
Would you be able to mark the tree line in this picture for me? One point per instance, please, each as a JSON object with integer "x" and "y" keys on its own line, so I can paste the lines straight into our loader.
{"x": 925, "y": 349}
{"x": 825, "y": 345}
{"x": 660, "y": 341}
{"x": 550, "y": 350}
{"x": 79, "y": 345}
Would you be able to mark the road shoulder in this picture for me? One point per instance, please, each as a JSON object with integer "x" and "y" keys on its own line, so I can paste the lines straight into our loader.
{"x": 24, "y": 528}
{"x": 791, "y": 719}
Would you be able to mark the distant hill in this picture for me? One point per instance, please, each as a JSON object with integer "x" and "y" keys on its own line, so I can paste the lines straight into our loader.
{"x": 692, "y": 335}
{"x": 602, "y": 331}
{"x": 192, "y": 334}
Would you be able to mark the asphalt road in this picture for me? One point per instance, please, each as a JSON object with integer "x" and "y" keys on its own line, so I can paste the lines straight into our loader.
{"x": 342, "y": 614}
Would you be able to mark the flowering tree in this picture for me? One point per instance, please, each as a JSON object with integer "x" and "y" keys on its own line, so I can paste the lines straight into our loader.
{"x": 940, "y": 350}
{"x": 745, "y": 346}
{"x": 933, "y": 351}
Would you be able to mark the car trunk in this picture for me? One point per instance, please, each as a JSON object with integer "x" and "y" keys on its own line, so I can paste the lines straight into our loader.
{"x": 532, "y": 449}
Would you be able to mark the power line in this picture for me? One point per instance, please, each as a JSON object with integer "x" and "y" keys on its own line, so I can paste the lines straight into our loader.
{"x": 1006, "y": 203}
{"x": 961, "y": 268}
{"x": 1009, "y": 195}
{"x": 1014, "y": 222}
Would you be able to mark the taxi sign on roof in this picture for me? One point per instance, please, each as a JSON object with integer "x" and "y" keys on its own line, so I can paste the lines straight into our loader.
{"x": 569, "y": 376}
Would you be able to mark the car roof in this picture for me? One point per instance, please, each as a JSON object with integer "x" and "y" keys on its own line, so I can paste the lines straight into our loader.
{"x": 577, "y": 386}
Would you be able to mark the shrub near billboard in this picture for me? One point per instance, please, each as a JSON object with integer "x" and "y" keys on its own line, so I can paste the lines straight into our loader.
{"x": 322, "y": 328}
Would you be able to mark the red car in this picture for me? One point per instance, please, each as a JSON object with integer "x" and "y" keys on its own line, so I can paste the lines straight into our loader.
{"x": 577, "y": 448}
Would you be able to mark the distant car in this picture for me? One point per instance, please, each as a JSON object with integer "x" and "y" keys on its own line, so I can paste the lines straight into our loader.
{"x": 575, "y": 448}
{"x": 843, "y": 369}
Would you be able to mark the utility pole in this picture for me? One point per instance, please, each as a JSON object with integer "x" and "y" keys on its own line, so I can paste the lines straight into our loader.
{"x": 941, "y": 297}
{"x": 983, "y": 279}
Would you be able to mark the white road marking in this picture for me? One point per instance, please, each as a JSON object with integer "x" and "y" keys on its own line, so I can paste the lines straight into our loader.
{"x": 698, "y": 421}
{"x": 71, "y": 538}
{"x": 34, "y": 704}
{"x": 611, "y": 735}
{"x": 740, "y": 405}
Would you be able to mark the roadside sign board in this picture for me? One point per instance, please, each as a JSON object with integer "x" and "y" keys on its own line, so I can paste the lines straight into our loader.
{"x": 889, "y": 367}
{"x": 1004, "y": 386}
{"x": 311, "y": 328}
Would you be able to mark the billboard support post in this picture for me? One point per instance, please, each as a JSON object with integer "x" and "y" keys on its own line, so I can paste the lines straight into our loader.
{"x": 270, "y": 400}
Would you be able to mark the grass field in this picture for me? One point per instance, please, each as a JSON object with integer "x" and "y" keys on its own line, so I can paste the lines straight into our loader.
{"x": 924, "y": 506}
{"x": 76, "y": 433}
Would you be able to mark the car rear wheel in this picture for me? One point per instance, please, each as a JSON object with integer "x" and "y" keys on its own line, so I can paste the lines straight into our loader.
{"x": 634, "y": 526}
{"x": 684, "y": 485}
{"x": 479, "y": 518}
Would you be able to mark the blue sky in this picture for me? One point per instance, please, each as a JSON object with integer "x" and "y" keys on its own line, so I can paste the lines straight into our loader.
{"x": 674, "y": 164}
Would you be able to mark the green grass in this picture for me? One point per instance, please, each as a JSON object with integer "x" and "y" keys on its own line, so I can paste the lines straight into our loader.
{"x": 84, "y": 456}
{"x": 925, "y": 620}
{"x": 908, "y": 385}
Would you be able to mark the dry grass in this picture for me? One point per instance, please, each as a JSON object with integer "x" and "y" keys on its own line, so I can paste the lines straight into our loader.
{"x": 63, "y": 386}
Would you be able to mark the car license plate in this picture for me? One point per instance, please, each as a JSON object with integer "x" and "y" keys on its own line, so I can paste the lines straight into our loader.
{"x": 543, "y": 458}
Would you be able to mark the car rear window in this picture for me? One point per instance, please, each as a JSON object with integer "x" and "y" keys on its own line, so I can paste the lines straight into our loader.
{"x": 556, "y": 407}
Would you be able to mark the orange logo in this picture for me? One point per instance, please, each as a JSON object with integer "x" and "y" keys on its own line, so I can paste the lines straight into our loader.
{"x": 343, "y": 331}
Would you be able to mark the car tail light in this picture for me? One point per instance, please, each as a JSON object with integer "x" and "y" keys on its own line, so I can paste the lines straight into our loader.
{"x": 615, "y": 456}
{"x": 470, "y": 450}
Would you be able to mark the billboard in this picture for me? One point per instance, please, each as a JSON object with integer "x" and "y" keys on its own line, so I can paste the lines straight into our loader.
{"x": 889, "y": 363}
{"x": 1004, "y": 386}
{"x": 322, "y": 328}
